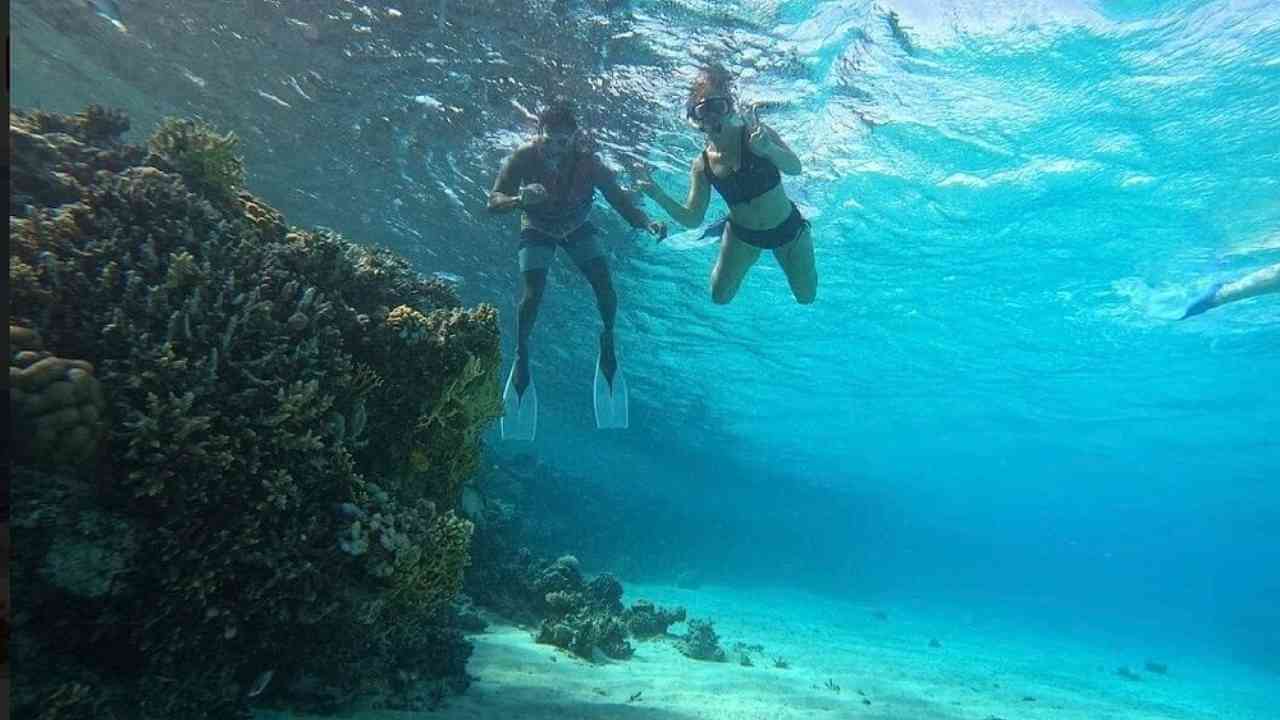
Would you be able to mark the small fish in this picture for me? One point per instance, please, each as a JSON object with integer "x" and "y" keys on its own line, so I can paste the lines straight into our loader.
{"x": 349, "y": 511}
{"x": 108, "y": 10}
{"x": 264, "y": 679}
{"x": 447, "y": 277}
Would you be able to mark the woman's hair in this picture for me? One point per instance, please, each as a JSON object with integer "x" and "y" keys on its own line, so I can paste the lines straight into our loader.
{"x": 712, "y": 80}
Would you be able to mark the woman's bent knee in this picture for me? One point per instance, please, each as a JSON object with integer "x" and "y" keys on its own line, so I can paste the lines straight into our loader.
{"x": 807, "y": 292}
{"x": 721, "y": 295}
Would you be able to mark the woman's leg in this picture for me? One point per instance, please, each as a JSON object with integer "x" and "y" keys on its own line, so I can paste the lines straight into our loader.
{"x": 1258, "y": 282}
{"x": 796, "y": 259}
{"x": 736, "y": 258}
{"x": 1255, "y": 283}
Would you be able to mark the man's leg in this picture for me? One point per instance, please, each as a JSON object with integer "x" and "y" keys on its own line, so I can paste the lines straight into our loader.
{"x": 532, "y": 285}
{"x": 597, "y": 272}
{"x": 535, "y": 257}
{"x": 585, "y": 250}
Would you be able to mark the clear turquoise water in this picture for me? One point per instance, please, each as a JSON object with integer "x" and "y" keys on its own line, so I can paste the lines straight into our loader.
{"x": 990, "y": 411}
{"x": 1009, "y": 213}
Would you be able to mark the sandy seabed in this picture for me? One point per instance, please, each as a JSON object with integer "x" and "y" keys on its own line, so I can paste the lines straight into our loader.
{"x": 847, "y": 660}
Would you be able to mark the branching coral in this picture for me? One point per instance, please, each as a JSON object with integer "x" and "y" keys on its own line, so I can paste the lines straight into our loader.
{"x": 206, "y": 160}
{"x": 445, "y": 435}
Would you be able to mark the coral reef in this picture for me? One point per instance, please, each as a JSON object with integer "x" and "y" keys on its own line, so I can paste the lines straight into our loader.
{"x": 4, "y": 585}
{"x": 646, "y": 620}
{"x": 587, "y": 620}
{"x": 578, "y": 616}
{"x": 56, "y": 405}
{"x": 1124, "y": 672}
{"x": 206, "y": 160}
{"x": 289, "y": 460}
{"x": 465, "y": 616}
{"x": 701, "y": 642}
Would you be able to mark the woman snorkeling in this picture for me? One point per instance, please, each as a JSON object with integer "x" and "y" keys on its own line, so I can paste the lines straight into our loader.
{"x": 744, "y": 160}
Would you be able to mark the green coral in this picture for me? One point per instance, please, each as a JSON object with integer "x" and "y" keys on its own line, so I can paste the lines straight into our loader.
{"x": 206, "y": 159}
{"x": 429, "y": 575}
{"x": 445, "y": 435}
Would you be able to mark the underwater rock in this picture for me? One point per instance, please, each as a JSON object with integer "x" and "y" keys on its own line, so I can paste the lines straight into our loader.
{"x": 701, "y": 642}
{"x": 172, "y": 303}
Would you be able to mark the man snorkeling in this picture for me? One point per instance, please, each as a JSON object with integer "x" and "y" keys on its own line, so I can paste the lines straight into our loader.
{"x": 744, "y": 160}
{"x": 1258, "y": 282}
{"x": 553, "y": 180}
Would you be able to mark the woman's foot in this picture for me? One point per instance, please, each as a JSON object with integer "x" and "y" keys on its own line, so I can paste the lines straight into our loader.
{"x": 1207, "y": 301}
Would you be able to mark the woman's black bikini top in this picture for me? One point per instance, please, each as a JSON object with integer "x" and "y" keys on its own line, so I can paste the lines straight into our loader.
{"x": 754, "y": 177}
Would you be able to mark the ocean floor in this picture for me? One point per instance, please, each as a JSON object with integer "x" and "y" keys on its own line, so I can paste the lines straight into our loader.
{"x": 845, "y": 661}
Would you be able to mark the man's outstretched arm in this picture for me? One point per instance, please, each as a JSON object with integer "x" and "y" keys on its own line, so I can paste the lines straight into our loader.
{"x": 618, "y": 199}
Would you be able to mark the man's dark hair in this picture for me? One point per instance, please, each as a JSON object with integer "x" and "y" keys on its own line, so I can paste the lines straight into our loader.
{"x": 559, "y": 114}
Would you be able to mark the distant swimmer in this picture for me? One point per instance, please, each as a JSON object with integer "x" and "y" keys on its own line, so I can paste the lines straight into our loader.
{"x": 744, "y": 160}
{"x": 553, "y": 180}
{"x": 1258, "y": 282}
{"x": 108, "y": 10}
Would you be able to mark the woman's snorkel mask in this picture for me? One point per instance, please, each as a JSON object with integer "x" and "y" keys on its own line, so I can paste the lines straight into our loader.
{"x": 709, "y": 113}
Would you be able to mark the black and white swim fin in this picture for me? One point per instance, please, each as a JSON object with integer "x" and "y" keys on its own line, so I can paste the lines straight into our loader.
{"x": 612, "y": 405}
{"x": 519, "y": 410}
